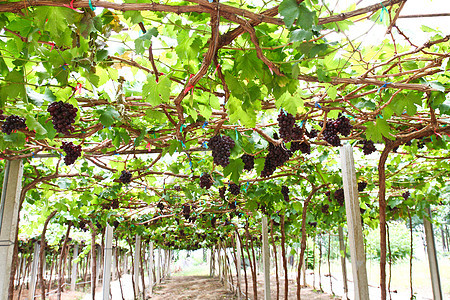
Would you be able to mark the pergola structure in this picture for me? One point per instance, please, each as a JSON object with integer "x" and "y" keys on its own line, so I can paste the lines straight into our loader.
{"x": 286, "y": 82}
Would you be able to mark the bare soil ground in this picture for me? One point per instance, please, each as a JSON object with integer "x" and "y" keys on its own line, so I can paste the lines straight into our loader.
{"x": 306, "y": 292}
{"x": 192, "y": 287}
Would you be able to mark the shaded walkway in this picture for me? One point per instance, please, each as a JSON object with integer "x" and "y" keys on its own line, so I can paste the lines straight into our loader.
{"x": 191, "y": 287}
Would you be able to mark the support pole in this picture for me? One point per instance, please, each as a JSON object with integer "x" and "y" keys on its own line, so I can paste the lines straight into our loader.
{"x": 107, "y": 261}
{"x": 356, "y": 240}
{"x": 211, "y": 262}
{"x": 34, "y": 268}
{"x": 150, "y": 268}
{"x": 9, "y": 214}
{"x": 432, "y": 258}
{"x": 169, "y": 259}
{"x": 238, "y": 261}
{"x": 157, "y": 266}
{"x": 266, "y": 258}
{"x": 137, "y": 259}
{"x": 73, "y": 281}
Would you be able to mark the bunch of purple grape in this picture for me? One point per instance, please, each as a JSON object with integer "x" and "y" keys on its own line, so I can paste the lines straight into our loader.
{"x": 368, "y": 147}
{"x": 206, "y": 181}
{"x": 286, "y": 121}
{"x": 234, "y": 189}
{"x": 221, "y": 146}
{"x": 249, "y": 162}
{"x": 276, "y": 157}
{"x": 13, "y": 123}
{"x": 125, "y": 177}
{"x": 285, "y": 193}
{"x": 72, "y": 152}
{"x": 63, "y": 116}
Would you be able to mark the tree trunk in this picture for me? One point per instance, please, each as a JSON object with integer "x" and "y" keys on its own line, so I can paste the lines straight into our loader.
{"x": 252, "y": 264}
{"x": 382, "y": 209}
{"x": 93, "y": 259}
{"x": 276, "y": 260}
{"x": 245, "y": 267}
{"x": 283, "y": 253}
{"x": 303, "y": 242}
{"x": 329, "y": 264}
{"x": 60, "y": 266}
{"x": 42, "y": 255}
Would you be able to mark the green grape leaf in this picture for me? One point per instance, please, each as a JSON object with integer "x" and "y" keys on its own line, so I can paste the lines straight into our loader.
{"x": 33, "y": 124}
{"x": 290, "y": 11}
{"x": 108, "y": 116}
{"x": 234, "y": 169}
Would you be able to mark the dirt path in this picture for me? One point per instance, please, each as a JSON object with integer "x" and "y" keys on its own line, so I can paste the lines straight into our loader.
{"x": 192, "y": 287}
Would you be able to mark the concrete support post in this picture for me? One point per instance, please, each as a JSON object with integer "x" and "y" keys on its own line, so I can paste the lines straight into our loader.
{"x": 432, "y": 258}
{"x": 343, "y": 264}
{"x": 34, "y": 268}
{"x": 107, "y": 261}
{"x": 356, "y": 239}
{"x": 211, "y": 262}
{"x": 9, "y": 214}
{"x": 169, "y": 259}
{"x": 137, "y": 259}
{"x": 74, "y": 275}
{"x": 157, "y": 266}
{"x": 219, "y": 261}
{"x": 150, "y": 268}
{"x": 238, "y": 261}
{"x": 266, "y": 258}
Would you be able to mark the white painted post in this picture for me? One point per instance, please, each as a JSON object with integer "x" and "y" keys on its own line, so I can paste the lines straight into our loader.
{"x": 137, "y": 259}
{"x": 356, "y": 239}
{"x": 266, "y": 258}
{"x": 211, "y": 259}
{"x": 432, "y": 258}
{"x": 238, "y": 261}
{"x": 157, "y": 266}
{"x": 169, "y": 259}
{"x": 9, "y": 213}
{"x": 74, "y": 275}
{"x": 219, "y": 261}
{"x": 107, "y": 261}
{"x": 125, "y": 260}
{"x": 34, "y": 268}
{"x": 150, "y": 268}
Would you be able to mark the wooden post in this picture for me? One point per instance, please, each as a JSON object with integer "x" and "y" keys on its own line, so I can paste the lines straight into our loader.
{"x": 34, "y": 268}
{"x": 344, "y": 268}
{"x": 73, "y": 281}
{"x": 356, "y": 239}
{"x": 238, "y": 261}
{"x": 107, "y": 261}
{"x": 137, "y": 259}
{"x": 432, "y": 258}
{"x": 150, "y": 268}
{"x": 266, "y": 258}
{"x": 9, "y": 214}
